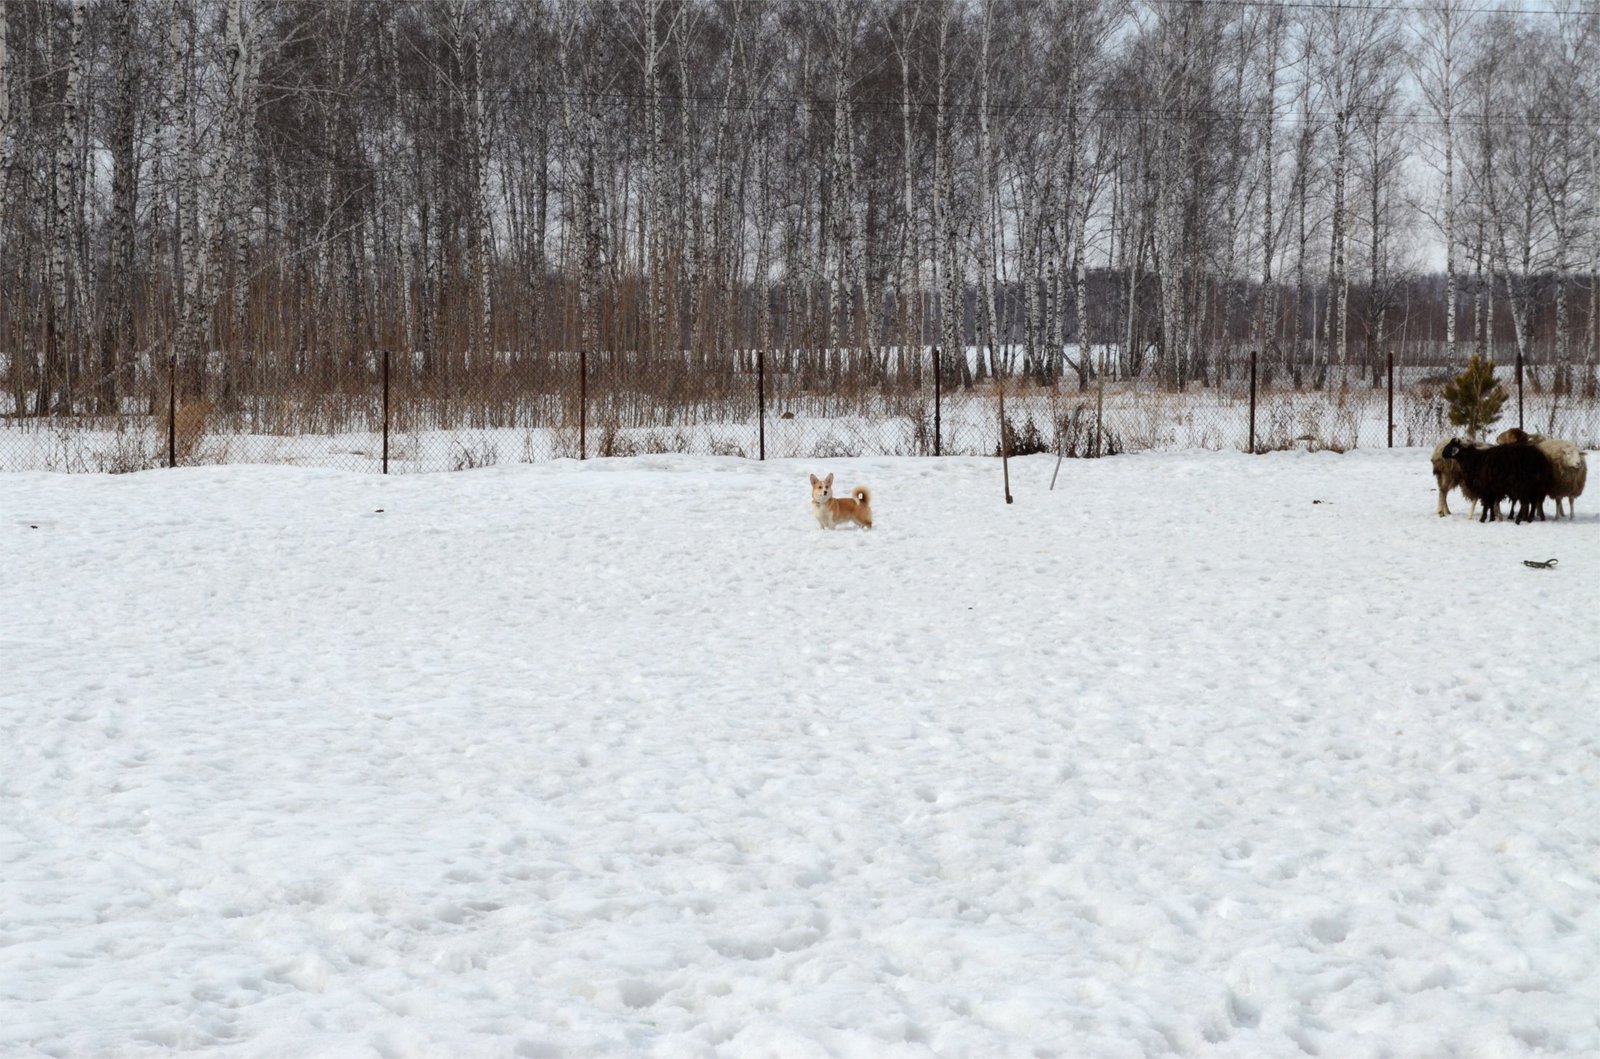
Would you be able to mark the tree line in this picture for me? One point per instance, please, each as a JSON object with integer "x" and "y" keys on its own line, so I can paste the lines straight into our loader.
{"x": 269, "y": 191}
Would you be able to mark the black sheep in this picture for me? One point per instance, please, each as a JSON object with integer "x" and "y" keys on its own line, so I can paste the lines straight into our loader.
{"x": 1519, "y": 473}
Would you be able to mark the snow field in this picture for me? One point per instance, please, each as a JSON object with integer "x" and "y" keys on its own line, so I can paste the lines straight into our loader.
{"x": 629, "y": 758}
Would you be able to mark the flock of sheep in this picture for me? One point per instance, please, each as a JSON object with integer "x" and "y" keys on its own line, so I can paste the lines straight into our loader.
{"x": 1524, "y": 469}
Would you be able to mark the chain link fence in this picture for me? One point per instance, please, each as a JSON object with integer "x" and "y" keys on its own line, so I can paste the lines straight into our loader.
{"x": 395, "y": 413}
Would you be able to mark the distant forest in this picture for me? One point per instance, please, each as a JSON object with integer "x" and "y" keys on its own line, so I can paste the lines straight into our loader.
{"x": 287, "y": 186}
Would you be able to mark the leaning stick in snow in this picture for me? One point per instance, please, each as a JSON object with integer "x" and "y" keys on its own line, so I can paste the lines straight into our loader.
{"x": 1061, "y": 453}
{"x": 1005, "y": 446}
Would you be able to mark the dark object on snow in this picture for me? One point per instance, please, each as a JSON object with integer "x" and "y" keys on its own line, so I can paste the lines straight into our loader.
{"x": 1548, "y": 564}
{"x": 1518, "y": 473}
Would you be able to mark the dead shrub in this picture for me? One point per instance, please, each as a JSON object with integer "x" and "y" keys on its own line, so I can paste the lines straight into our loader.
{"x": 1075, "y": 435}
{"x": 613, "y": 442}
{"x": 188, "y": 428}
{"x": 1021, "y": 442}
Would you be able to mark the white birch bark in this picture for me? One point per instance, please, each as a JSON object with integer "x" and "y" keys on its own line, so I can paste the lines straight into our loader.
{"x": 65, "y": 275}
{"x": 950, "y": 305}
{"x": 987, "y": 179}
{"x": 396, "y": 216}
{"x": 483, "y": 232}
{"x": 721, "y": 259}
{"x": 117, "y": 332}
{"x": 1174, "y": 151}
{"x": 655, "y": 217}
{"x": 1266, "y": 310}
{"x": 839, "y": 193}
{"x": 226, "y": 165}
{"x": 690, "y": 251}
{"x": 906, "y": 287}
{"x": 1443, "y": 25}
{"x": 62, "y": 225}
{"x": 586, "y": 226}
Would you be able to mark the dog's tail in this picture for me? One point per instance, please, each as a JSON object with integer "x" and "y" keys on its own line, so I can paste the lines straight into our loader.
{"x": 863, "y": 495}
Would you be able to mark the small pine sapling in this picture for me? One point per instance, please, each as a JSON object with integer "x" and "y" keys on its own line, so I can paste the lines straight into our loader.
{"x": 1475, "y": 397}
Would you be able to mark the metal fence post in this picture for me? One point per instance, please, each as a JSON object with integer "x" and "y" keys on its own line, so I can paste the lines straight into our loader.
{"x": 761, "y": 401}
{"x": 1519, "y": 389}
{"x": 1099, "y": 405}
{"x": 1391, "y": 396}
{"x": 1252, "y": 402}
{"x": 386, "y": 411}
{"x": 172, "y": 410}
{"x": 583, "y": 404}
{"x": 937, "y": 397}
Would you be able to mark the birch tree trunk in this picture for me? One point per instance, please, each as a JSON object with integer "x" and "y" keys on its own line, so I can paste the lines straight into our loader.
{"x": 117, "y": 332}
{"x": 1302, "y": 180}
{"x": 655, "y": 218}
{"x": 1266, "y": 308}
{"x": 723, "y": 260}
{"x": 1338, "y": 280}
{"x": 950, "y": 307}
{"x": 906, "y": 287}
{"x": 691, "y": 237}
{"x": 1174, "y": 156}
{"x": 397, "y": 218}
{"x": 1079, "y": 197}
{"x": 227, "y": 168}
{"x": 987, "y": 179}
{"x": 482, "y": 245}
{"x": 7, "y": 136}
{"x": 1443, "y": 26}
{"x": 61, "y": 345}
{"x": 586, "y": 230}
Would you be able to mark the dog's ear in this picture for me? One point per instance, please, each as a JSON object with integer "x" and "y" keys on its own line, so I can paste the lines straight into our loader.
{"x": 814, "y": 480}
{"x": 828, "y": 480}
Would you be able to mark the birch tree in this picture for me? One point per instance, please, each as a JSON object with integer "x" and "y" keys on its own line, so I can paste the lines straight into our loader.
{"x": 1442, "y": 30}
{"x": 1357, "y": 55}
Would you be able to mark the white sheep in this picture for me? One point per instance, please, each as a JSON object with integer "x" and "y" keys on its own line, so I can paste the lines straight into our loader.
{"x": 1571, "y": 471}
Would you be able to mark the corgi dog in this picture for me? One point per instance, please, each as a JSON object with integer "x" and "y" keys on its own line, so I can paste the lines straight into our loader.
{"x": 831, "y": 512}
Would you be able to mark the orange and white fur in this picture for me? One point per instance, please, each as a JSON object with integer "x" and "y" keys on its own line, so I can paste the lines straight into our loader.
{"x": 833, "y": 512}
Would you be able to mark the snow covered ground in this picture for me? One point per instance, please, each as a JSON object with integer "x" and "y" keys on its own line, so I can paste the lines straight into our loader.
{"x": 629, "y": 758}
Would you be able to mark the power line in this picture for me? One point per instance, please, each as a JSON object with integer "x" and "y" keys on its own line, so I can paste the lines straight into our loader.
{"x": 715, "y": 103}
{"x": 1354, "y": 6}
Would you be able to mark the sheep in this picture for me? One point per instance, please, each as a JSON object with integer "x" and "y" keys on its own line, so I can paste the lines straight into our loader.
{"x": 1519, "y": 473}
{"x": 1570, "y": 470}
{"x": 1448, "y": 474}
{"x": 1569, "y": 467}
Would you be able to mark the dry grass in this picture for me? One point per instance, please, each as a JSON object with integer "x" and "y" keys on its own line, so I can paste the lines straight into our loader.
{"x": 189, "y": 427}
